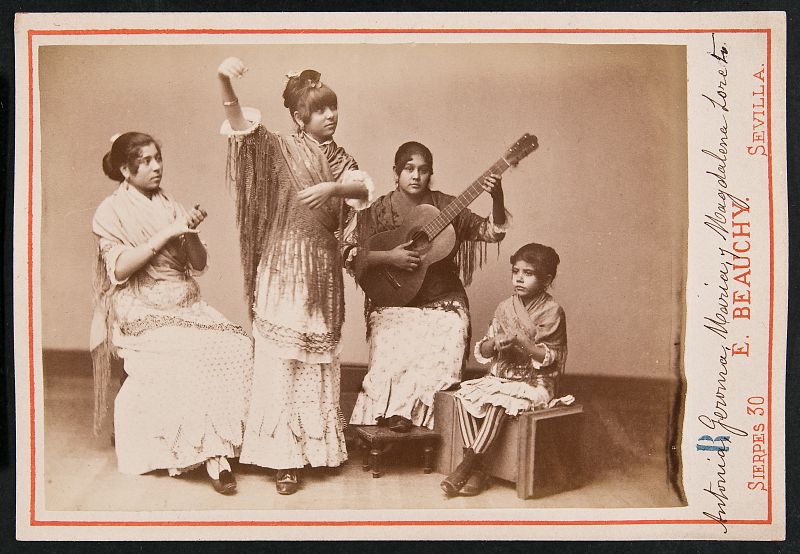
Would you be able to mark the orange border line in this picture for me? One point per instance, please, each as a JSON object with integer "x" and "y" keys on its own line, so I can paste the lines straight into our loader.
{"x": 198, "y": 523}
{"x": 374, "y": 31}
{"x": 378, "y": 523}
{"x": 771, "y": 272}
{"x": 31, "y": 388}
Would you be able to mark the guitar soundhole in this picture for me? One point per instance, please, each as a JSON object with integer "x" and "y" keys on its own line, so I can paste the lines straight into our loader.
{"x": 421, "y": 243}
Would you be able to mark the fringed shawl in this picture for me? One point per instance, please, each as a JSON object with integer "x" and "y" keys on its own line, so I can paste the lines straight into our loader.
{"x": 541, "y": 322}
{"x": 268, "y": 171}
{"x": 124, "y": 220}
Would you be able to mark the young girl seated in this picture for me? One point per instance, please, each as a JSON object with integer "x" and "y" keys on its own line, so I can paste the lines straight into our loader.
{"x": 527, "y": 346}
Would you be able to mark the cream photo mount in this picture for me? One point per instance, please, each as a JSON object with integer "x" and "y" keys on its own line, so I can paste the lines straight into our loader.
{"x": 695, "y": 211}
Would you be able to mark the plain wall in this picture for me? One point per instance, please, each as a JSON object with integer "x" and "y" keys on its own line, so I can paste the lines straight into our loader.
{"x": 606, "y": 188}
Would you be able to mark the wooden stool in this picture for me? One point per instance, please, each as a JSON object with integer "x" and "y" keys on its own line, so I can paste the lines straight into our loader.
{"x": 538, "y": 450}
{"x": 376, "y": 440}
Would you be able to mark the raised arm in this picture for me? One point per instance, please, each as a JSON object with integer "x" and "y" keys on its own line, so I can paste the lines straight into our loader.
{"x": 494, "y": 186}
{"x": 232, "y": 68}
{"x": 470, "y": 226}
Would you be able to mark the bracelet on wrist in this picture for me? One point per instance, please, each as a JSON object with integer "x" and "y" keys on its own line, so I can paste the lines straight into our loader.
{"x": 233, "y": 102}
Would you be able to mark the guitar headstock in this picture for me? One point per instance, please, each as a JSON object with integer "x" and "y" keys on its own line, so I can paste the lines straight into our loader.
{"x": 526, "y": 144}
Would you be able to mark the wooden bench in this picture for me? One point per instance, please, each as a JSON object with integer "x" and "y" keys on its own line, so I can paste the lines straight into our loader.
{"x": 375, "y": 441}
{"x": 538, "y": 450}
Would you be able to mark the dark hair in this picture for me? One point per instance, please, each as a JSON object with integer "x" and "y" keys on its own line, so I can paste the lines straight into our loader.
{"x": 409, "y": 149}
{"x": 125, "y": 150}
{"x": 544, "y": 259}
{"x": 305, "y": 94}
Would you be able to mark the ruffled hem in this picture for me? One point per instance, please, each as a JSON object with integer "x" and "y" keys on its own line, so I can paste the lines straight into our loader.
{"x": 138, "y": 459}
{"x": 367, "y": 412}
{"x": 514, "y": 396}
{"x": 303, "y": 440}
{"x": 294, "y": 417}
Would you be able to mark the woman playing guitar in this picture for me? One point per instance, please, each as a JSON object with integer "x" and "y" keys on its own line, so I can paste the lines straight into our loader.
{"x": 420, "y": 346}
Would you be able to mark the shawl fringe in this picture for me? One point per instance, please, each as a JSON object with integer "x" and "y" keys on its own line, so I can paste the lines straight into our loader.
{"x": 101, "y": 365}
{"x": 267, "y": 213}
{"x": 249, "y": 169}
{"x": 103, "y": 352}
{"x": 470, "y": 256}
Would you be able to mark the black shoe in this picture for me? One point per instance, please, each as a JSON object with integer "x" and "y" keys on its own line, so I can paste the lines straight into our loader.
{"x": 286, "y": 481}
{"x": 402, "y": 425}
{"x": 477, "y": 483}
{"x": 453, "y": 483}
{"x": 226, "y": 484}
{"x": 381, "y": 421}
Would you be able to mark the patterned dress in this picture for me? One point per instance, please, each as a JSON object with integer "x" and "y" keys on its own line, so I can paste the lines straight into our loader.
{"x": 293, "y": 271}
{"x": 516, "y": 381}
{"x": 188, "y": 368}
{"x": 419, "y": 349}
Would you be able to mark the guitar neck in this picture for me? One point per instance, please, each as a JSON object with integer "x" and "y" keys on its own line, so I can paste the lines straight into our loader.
{"x": 447, "y": 215}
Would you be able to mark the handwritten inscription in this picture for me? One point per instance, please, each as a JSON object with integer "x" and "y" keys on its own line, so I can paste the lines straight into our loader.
{"x": 729, "y": 223}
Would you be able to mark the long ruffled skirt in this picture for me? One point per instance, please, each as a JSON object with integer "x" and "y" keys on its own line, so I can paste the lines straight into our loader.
{"x": 414, "y": 352}
{"x": 185, "y": 396}
{"x": 294, "y": 417}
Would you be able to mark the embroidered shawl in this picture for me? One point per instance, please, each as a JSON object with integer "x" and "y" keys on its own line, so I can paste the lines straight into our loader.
{"x": 541, "y": 322}
{"x": 267, "y": 171}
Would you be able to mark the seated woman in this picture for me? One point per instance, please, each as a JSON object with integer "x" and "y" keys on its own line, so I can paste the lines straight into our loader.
{"x": 527, "y": 346}
{"x": 189, "y": 369}
{"x": 418, "y": 349}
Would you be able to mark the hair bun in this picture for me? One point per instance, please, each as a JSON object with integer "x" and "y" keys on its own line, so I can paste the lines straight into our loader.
{"x": 108, "y": 168}
{"x": 297, "y": 83}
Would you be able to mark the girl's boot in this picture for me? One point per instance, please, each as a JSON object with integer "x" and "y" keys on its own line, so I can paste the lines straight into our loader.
{"x": 453, "y": 482}
{"x": 478, "y": 480}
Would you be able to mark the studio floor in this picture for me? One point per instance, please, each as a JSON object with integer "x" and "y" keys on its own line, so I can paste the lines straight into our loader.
{"x": 80, "y": 475}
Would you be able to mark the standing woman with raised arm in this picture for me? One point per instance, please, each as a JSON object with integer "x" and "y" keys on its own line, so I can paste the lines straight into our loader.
{"x": 184, "y": 401}
{"x": 294, "y": 196}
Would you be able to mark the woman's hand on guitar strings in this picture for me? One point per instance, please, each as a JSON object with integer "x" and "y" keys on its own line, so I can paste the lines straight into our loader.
{"x": 493, "y": 184}
{"x": 403, "y": 257}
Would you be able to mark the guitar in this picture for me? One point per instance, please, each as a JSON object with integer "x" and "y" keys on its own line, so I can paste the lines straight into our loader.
{"x": 431, "y": 234}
